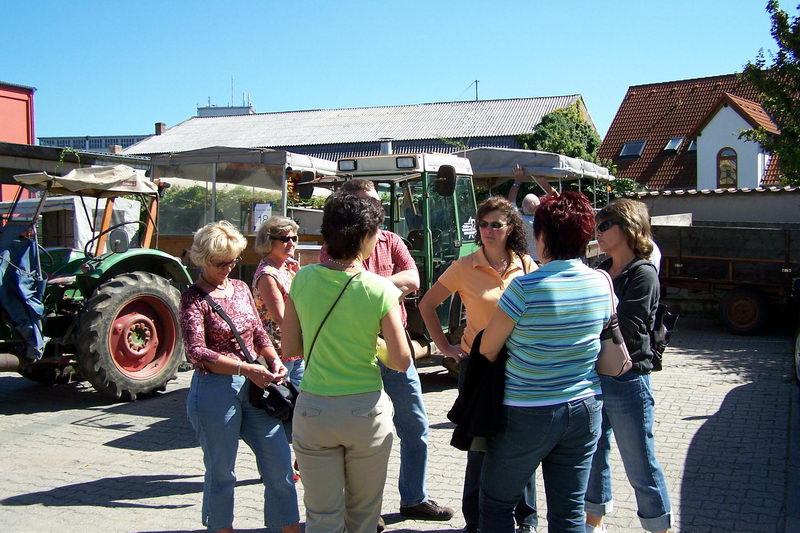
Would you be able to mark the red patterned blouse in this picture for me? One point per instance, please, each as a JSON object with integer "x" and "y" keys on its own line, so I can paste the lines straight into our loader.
{"x": 206, "y": 336}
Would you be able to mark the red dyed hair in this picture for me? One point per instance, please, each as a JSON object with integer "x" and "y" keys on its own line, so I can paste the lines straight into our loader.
{"x": 567, "y": 221}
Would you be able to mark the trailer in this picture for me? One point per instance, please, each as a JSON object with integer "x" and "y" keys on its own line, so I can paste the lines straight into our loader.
{"x": 750, "y": 269}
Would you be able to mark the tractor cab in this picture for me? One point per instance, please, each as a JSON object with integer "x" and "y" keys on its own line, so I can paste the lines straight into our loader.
{"x": 429, "y": 201}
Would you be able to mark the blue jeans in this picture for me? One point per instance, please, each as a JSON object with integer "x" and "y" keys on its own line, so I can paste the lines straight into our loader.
{"x": 563, "y": 439}
{"x": 628, "y": 412}
{"x": 411, "y": 424}
{"x": 296, "y": 370}
{"x": 524, "y": 511}
{"x": 219, "y": 410}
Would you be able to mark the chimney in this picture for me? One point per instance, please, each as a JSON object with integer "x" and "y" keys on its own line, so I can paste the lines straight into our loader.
{"x": 115, "y": 149}
{"x": 386, "y": 145}
{"x": 161, "y": 127}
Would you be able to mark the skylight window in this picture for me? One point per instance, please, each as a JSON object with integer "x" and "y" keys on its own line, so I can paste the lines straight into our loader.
{"x": 632, "y": 149}
{"x": 692, "y": 146}
{"x": 673, "y": 144}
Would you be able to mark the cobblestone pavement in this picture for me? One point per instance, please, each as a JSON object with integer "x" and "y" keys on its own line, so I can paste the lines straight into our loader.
{"x": 72, "y": 461}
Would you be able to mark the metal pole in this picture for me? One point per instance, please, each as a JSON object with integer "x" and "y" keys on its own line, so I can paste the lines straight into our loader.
{"x": 214, "y": 192}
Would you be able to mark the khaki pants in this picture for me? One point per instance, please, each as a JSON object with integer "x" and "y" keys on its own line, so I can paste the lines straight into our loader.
{"x": 342, "y": 444}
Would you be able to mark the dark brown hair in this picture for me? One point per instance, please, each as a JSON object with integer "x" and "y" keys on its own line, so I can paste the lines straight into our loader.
{"x": 516, "y": 239}
{"x": 346, "y": 221}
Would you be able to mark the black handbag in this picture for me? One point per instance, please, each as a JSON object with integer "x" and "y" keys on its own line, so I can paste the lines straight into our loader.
{"x": 277, "y": 399}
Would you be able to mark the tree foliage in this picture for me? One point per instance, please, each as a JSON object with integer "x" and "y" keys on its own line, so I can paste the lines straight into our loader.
{"x": 564, "y": 131}
{"x": 779, "y": 86}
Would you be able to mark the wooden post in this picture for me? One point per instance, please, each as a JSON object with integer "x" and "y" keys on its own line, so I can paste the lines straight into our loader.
{"x": 104, "y": 225}
{"x": 150, "y": 223}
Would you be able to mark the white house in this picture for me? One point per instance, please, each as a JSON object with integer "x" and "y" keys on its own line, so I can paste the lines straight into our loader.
{"x": 723, "y": 159}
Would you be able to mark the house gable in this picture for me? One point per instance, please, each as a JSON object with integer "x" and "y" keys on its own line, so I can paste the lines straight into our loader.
{"x": 720, "y": 132}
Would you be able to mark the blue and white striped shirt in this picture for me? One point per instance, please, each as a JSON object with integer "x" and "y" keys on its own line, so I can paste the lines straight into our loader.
{"x": 559, "y": 311}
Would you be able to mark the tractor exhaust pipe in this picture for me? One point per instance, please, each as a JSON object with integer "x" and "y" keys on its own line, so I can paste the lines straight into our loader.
{"x": 9, "y": 362}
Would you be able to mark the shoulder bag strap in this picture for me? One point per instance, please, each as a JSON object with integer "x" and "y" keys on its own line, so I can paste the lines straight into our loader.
{"x": 221, "y": 312}
{"x": 313, "y": 342}
{"x": 607, "y": 276}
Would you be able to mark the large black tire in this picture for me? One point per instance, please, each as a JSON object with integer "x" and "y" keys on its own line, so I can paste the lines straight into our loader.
{"x": 129, "y": 336}
{"x": 743, "y": 311}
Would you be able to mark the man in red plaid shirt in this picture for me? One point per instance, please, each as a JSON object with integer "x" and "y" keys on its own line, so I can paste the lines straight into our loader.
{"x": 392, "y": 260}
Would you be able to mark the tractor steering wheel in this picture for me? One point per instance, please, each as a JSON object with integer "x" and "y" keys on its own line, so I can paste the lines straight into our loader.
{"x": 87, "y": 246}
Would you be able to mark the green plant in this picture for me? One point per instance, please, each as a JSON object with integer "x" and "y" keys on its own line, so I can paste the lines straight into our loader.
{"x": 779, "y": 87}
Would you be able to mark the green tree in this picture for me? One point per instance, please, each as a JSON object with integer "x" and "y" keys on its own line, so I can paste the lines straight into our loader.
{"x": 564, "y": 131}
{"x": 779, "y": 87}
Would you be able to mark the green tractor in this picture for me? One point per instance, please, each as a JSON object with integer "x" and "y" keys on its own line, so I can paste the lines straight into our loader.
{"x": 429, "y": 200}
{"x": 103, "y": 310}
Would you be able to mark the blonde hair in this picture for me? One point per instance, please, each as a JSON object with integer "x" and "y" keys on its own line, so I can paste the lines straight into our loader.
{"x": 633, "y": 219}
{"x": 274, "y": 227}
{"x": 216, "y": 240}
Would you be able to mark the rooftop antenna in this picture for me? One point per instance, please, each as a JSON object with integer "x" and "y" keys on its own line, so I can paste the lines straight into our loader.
{"x": 232, "y": 100}
{"x": 476, "y": 89}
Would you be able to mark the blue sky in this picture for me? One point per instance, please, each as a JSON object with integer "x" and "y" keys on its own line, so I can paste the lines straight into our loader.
{"x": 115, "y": 68}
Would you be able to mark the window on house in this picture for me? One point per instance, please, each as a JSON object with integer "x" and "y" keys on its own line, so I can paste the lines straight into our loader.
{"x": 673, "y": 144}
{"x": 726, "y": 168}
{"x": 632, "y": 149}
{"x": 692, "y": 146}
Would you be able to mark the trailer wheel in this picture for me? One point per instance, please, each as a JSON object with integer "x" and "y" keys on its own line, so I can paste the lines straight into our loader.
{"x": 129, "y": 336}
{"x": 743, "y": 311}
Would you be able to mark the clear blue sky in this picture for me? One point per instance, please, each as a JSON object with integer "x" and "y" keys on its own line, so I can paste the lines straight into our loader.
{"x": 115, "y": 68}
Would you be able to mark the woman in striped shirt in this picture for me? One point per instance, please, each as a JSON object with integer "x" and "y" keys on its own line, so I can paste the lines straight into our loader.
{"x": 550, "y": 321}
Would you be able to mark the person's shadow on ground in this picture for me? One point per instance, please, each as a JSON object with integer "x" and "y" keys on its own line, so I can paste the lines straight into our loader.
{"x": 734, "y": 474}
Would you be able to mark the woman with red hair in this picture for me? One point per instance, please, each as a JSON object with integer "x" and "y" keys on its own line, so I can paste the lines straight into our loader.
{"x": 549, "y": 322}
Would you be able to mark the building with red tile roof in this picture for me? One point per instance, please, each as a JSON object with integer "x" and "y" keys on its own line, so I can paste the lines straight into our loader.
{"x": 664, "y": 132}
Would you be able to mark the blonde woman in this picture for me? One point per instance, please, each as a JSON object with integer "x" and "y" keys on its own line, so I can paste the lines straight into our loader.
{"x": 218, "y": 403}
{"x": 276, "y": 240}
{"x": 623, "y": 232}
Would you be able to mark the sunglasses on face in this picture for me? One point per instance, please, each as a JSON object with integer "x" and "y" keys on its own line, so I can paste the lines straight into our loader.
{"x": 494, "y": 225}
{"x": 284, "y": 238}
{"x": 605, "y": 226}
{"x": 226, "y": 264}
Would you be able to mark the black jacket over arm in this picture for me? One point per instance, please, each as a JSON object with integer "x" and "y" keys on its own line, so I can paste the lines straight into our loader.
{"x": 476, "y": 411}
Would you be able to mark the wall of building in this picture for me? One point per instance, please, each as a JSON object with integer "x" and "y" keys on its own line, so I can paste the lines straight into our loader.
{"x": 16, "y": 124}
{"x": 723, "y": 131}
{"x": 760, "y": 207}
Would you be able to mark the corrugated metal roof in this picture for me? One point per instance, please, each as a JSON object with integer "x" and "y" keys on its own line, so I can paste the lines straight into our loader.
{"x": 450, "y": 120}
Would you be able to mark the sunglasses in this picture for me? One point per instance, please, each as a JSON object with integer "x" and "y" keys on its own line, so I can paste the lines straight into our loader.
{"x": 226, "y": 264}
{"x": 284, "y": 238}
{"x": 605, "y": 226}
{"x": 494, "y": 225}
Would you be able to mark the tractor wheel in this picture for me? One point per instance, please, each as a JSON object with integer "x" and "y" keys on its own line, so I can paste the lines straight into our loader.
{"x": 128, "y": 335}
{"x": 49, "y": 374}
{"x": 743, "y": 311}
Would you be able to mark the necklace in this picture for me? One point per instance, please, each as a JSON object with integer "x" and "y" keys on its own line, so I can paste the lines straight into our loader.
{"x": 216, "y": 287}
{"x": 355, "y": 263}
{"x": 501, "y": 267}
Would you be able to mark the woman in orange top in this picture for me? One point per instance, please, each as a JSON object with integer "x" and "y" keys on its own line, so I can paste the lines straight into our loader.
{"x": 480, "y": 279}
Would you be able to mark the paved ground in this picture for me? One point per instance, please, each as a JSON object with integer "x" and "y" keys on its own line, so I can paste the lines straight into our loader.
{"x": 71, "y": 461}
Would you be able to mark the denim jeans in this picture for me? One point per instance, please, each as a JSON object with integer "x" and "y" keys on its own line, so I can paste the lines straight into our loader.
{"x": 411, "y": 424}
{"x": 563, "y": 439}
{"x": 220, "y": 412}
{"x": 296, "y": 370}
{"x": 628, "y": 412}
{"x": 524, "y": 511}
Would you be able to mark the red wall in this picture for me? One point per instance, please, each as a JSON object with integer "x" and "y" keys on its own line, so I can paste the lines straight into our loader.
{"x": 16, "y": 124}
